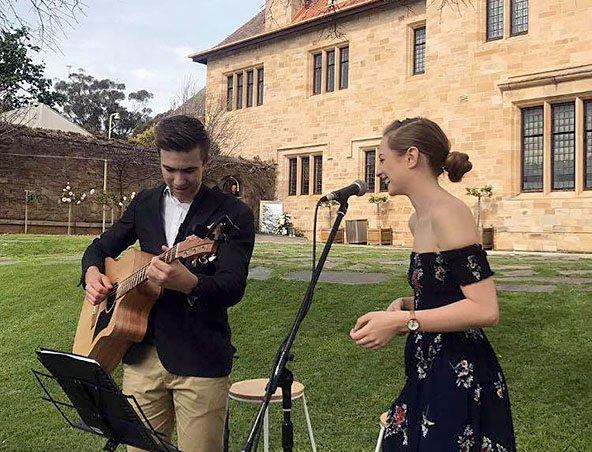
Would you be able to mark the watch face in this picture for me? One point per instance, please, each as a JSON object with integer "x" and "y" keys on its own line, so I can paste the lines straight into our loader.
{"x": 413, "y": 325}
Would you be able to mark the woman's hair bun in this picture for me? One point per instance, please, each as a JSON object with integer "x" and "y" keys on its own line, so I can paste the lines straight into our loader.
{"x": 456, "y": 165}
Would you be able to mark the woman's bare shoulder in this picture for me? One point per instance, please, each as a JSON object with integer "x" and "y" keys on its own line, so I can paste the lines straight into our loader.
{"x": 453, "y": 224}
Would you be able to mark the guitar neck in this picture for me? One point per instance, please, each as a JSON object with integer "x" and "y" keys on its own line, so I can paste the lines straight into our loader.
{"x": 139, "y": 276}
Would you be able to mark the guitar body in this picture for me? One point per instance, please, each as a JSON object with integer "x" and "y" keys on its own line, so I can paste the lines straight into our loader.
{"x": 106, "y": 331}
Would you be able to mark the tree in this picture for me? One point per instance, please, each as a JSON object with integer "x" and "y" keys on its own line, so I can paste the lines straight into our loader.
{"x": 21, "y": 80}
{"x": 125, "y": 162}
{"x": 226, "y": 136}
{"x": 48, "y": 17}
{"x": 483, "y": 192}
{"x": 89, "y": 102}
{"x": 131, "y": 122}
{"x": 145, "y": 137}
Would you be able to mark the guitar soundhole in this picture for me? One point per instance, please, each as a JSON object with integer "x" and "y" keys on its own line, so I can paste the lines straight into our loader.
{"x": 111, "y": 298}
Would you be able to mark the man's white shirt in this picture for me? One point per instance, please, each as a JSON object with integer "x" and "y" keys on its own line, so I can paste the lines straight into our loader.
{"x": 173, "y": 213}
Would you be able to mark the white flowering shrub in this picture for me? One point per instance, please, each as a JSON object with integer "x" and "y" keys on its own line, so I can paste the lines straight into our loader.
{"x": 69, "y": 196}
{"x": 284, "y": 225}
{"x": 126, "y": 200}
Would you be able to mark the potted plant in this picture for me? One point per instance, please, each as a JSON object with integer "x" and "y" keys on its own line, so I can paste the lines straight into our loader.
{"x": 284, "y": 225}
{"x": 486, "y": 233}
{"x": 379, "y": 235}
{"x": 339, "y": 236}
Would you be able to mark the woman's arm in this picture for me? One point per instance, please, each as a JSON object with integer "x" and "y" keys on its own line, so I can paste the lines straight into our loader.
{"x": 454, "y": 228}
{"x": 478, "y": 309}
{"x": 400, "y": 304}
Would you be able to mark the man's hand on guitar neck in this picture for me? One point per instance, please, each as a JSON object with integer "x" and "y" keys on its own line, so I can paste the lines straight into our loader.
{"x": 98, "y": 285}
{"x": 173, "y": 276}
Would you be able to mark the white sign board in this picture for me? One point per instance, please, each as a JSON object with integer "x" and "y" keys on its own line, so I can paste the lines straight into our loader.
{"x": 269, "y": 211}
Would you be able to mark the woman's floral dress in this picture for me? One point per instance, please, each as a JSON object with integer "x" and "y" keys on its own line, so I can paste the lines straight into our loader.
{"x": 455, "y": 397}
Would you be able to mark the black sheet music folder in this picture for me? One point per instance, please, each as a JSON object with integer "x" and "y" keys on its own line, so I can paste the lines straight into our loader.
{"x": 103, "y": 409}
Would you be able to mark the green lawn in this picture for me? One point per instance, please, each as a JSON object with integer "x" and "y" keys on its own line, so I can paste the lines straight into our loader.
{"x": 544, "y": 343}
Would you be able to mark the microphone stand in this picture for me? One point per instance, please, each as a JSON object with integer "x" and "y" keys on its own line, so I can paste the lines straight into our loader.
{"x": 280, "y": 375}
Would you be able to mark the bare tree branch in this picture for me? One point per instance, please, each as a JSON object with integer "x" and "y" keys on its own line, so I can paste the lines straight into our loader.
{"x": 12, "y": 120}
{"x": 225, "y": 133}
{"x": 48, "y": 17}
{"x": 187, "y": 99}
{"x": 334, "y": 29}
{"x": 223, "y": 129}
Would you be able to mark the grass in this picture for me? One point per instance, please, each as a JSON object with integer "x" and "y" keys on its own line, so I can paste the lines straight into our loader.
{"x": 544, "y": 343}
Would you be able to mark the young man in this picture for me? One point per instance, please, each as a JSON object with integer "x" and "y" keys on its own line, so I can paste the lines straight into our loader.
{"x": 180, "y": 370}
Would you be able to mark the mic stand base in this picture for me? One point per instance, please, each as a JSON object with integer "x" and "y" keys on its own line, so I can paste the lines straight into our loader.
{"x": 279, "y": 371}
{"x": 285, "y": 382}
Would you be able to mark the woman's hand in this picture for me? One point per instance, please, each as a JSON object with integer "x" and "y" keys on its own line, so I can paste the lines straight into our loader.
{"x": 376, "y": 329}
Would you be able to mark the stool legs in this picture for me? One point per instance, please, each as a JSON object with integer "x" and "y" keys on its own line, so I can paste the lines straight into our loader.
{"x": 227, "y": 429}
{"x": 309, "y": 425}
{"x": 379, "y": 442}
{"x": 266, "y": 423}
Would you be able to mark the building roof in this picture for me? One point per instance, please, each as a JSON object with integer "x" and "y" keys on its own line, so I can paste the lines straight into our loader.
{"x": 254, "y": 27}
{"x": 310, "y": 15}
{"x": 39, "y": 116}
{"x": 316, "y": 8}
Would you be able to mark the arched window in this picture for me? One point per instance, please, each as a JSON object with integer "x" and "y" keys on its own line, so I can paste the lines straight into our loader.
{"x": 231, "y": 186}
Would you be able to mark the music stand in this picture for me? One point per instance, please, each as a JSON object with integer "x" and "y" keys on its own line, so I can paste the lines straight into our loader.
{"x": 103, "y": 409}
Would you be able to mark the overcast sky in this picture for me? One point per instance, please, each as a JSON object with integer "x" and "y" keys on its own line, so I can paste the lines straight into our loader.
{"x": 145, "y": 43}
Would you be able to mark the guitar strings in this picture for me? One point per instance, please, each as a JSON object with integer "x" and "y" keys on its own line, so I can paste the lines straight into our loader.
{"x": 139, "y": 276}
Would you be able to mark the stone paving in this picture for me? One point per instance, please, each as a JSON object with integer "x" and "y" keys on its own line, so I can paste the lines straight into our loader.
{"x": 260, "y": 273}
{"x": 340, "y": 277}
{"x": 575, "y": 272}
{"x": 510, "y": 267}
{"x": 510, "y": 277}
{"x": 520, "y": 273}
{"x": 547, "y": 279}
{"x": 532, "y": 288}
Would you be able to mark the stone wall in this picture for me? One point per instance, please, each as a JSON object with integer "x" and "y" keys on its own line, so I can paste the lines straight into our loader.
{"x": 44, "y": 161}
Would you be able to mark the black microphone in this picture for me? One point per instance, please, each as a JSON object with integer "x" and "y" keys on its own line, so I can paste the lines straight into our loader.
{"x": 358, "y": 188}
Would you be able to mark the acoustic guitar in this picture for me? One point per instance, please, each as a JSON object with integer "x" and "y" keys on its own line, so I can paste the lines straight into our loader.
{"x": 107, "y": 330}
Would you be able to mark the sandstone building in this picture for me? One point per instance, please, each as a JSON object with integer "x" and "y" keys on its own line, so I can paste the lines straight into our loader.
{"x": 510, "y": 81}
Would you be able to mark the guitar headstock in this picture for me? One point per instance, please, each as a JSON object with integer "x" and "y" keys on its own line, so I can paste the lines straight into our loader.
{"x": 193, "y": 246}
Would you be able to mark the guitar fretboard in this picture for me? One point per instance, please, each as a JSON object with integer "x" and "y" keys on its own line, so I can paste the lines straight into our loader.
{"x": 139, "y": 276}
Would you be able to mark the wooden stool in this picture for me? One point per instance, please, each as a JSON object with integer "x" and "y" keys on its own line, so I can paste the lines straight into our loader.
{"x": 253, "y": 391}
{"x": 382, "y": 429}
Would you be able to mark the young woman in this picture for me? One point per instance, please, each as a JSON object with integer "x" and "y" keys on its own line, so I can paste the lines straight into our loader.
{"x": 455, "y": 396}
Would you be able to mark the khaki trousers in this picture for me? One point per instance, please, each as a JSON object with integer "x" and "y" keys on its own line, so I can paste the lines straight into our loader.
{"x": 197, "y": 404}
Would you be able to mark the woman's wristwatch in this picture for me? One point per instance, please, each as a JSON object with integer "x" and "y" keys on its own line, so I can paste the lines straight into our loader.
{"x": 412, "y": 323}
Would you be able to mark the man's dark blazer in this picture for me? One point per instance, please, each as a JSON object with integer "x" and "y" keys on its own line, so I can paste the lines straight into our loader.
{"x": 191, "y": 334}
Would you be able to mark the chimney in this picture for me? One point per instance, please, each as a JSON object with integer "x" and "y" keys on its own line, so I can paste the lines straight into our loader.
{"x": 280, "y": 13}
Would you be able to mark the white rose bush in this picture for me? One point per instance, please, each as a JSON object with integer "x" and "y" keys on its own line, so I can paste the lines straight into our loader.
{"x": 70, "y": 197}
